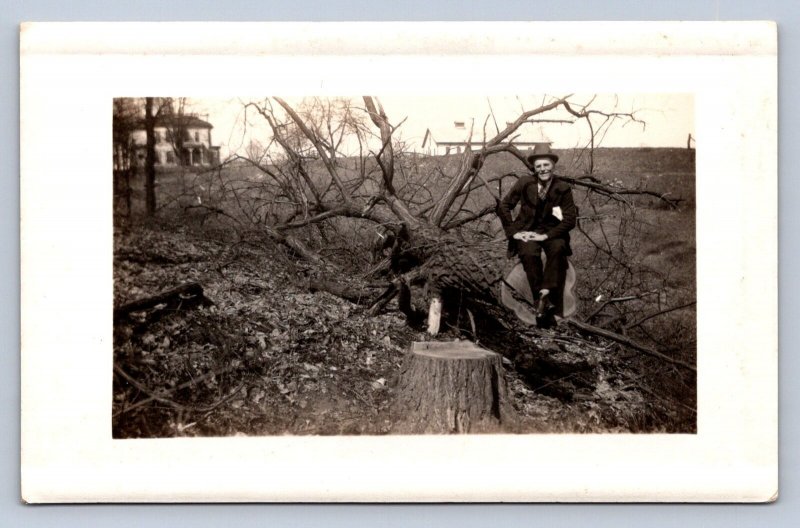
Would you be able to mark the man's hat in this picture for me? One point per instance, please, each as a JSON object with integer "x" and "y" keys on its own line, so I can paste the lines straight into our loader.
{"x": 542, "y": 150}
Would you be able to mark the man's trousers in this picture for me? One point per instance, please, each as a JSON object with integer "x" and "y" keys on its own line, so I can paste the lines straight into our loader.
{"x": 554, "y": 274}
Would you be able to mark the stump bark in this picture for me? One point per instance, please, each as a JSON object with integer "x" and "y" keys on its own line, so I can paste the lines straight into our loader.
{"x": 451, "y": 387}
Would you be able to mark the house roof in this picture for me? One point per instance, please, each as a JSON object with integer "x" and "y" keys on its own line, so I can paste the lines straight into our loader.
{"x": 452, "y": 134}
{"x": 185, "y": 121}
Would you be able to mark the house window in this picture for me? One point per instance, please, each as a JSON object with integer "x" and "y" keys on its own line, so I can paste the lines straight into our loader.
{"x": 196, "y": 136}
{"x": 170, "y": 157}
{"x": 459, "y": 124}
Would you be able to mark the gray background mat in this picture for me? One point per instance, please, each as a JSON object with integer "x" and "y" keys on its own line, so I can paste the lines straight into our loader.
{"x": 782, "y": 513}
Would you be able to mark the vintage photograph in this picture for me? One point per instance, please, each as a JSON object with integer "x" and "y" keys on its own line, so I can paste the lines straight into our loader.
{"x": 316, "y": 262}
{"x": 382, "y": 265}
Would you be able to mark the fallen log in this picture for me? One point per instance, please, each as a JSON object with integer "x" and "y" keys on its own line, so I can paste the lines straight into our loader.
{"x": 451, "y": 387}
{"x": 184, "y": 296}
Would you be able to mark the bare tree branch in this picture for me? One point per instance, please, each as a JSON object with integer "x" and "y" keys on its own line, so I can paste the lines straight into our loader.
{"x": 662, "y": 312}
{"x": 616, "y": 300}
{"x": 347, "y": 210}
{"x": 290, "y": 152}
{"x": 458, "y": 222}
{"x": 323, "y": 152}
{"x": 386, "y": 155}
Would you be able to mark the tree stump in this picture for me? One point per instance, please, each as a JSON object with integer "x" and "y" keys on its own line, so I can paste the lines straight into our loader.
{"x": 451, "y": 387}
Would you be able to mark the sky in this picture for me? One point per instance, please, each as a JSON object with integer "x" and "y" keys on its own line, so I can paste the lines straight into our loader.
{"x": 668, "y": 120}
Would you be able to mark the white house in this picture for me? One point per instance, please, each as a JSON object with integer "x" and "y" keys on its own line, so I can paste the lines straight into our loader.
{"x": 455, "y": 139}
{"x": 181, "y": 140}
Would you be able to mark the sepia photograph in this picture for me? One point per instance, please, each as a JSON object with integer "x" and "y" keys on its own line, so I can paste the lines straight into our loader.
{"x": 381, "y": 265}
{"x": 311, "y": 262}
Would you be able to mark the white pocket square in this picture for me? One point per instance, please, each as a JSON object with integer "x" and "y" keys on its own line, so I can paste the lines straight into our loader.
{"x": 557, "y": 213}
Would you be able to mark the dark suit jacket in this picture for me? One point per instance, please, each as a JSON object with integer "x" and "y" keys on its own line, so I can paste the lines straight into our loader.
{"x": 532, "y": 216}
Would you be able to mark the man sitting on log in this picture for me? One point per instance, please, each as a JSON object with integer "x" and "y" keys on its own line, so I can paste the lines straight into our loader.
{"x": 547, "y": 214}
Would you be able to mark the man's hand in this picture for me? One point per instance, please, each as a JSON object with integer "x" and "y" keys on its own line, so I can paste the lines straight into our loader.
{"x": 530, "y": 236}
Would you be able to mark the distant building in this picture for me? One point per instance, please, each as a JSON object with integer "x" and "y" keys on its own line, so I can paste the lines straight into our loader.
{"x": 181, "y": 140}
{"x": 456, "y": 139}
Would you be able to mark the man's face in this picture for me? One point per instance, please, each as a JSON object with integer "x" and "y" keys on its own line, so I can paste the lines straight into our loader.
{"x": 543, "y": 168}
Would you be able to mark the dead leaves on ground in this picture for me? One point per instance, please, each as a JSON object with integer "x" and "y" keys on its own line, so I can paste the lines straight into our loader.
{"x": 270, "y": 358}
{"x": 307, "y": 362}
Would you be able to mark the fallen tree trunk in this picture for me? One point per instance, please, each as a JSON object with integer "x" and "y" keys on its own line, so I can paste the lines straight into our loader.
{"x": 186, "y": 295}
{"x": 451, "y": 387}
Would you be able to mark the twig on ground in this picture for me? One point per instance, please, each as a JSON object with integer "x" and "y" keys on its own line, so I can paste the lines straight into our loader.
{"x": 540, "y": 387}
{"x": 191, "y": 291}
{"x": 162, "y": 396}
{"x": 629, "y": 342}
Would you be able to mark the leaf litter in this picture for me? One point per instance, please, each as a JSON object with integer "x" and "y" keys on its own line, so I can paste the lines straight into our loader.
{"x": 270, "y": 358}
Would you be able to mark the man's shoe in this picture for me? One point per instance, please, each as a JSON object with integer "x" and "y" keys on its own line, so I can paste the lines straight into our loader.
{"x": 545, "y": 306}
{"x": 545, "y": 313}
